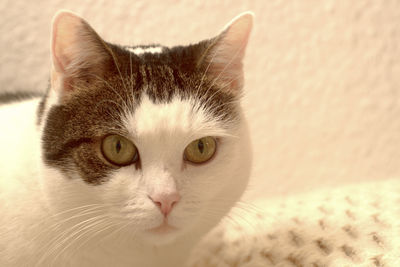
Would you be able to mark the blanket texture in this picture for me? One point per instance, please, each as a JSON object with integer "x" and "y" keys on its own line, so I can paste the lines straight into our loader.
{"x": 351, "y": 226}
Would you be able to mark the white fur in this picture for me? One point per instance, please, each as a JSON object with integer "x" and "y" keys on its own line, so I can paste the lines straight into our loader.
{"x": 141, "y": 50}
{"x": 43, "y": 224}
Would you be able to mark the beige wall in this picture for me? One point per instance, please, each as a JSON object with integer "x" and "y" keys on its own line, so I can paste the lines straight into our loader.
{"x": 323, "y": 77}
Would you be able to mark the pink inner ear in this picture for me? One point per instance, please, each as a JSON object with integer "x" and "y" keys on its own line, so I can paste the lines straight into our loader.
{"x": 75, "y": 47}
{"x": 227, "y": 55}
{"x": 74, "y": 43}
{"x": 56, "y": 59}
{"x": 237, "y": 34}
{"x": 61, "y": 59}
{"x": 65, "y": 26}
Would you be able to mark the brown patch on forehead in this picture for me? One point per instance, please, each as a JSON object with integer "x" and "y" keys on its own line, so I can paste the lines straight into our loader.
{"x": 74, "y": 129}
{"x": 176, "y": 72}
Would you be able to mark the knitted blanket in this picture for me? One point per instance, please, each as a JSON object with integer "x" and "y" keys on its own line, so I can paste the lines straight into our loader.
{"x": 356, "y": 225}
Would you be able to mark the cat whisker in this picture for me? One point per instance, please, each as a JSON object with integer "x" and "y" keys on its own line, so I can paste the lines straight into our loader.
{"x": 205, "y": 95}
{"x": 226, "y": 67}
{"x": 233, "y": 217}
{"x": 109, "y": 86}
{"x": 78, "y": 208}
{"x": 90, "y": 231}
{"x": 131, "y": 83}
{"x": 116, "y": 119}
{"x": 116, "y": 231}
{"x": 254, "y": 208}
{"x": 238, "y": 209}
{"x": 73, "y": 238}
{"x": 78, "y": 215}
{"x": 210, "y": 98}
{"x": 237, "y": 97}
{"x": 112, "y": 115}
{"x": 205, "y": 72}
{"x": 110, "y": 101}
{"x": 227, "y": 218}
{"x": 67, "y": 234}
{"x": 58, "y": 224}
{"x": 116, "y": 64}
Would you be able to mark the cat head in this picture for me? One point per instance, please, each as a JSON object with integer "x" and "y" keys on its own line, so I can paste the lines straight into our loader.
{"x": 149, "y": 136}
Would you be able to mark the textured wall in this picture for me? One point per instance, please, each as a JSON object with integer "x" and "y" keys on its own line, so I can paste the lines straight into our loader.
{"x": 322, "y": 85}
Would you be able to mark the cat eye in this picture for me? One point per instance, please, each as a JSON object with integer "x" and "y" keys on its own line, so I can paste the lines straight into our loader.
{"x": 118, "y": 150}
{"x": 200, "y": 150}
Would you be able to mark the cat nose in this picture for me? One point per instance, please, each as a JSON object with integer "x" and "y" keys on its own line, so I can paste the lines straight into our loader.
{"x": 165, "y": 202}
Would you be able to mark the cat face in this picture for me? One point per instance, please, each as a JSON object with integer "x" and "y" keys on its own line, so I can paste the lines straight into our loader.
{"x": 151, "y": 140}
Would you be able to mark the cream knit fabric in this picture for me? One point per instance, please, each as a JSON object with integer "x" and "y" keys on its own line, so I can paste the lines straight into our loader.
{"x": 357, "y": 225}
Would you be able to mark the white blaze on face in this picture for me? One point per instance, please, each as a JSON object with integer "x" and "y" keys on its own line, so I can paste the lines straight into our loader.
{"x": 161, "y": 133}
{"x": 142, "y": 50}
{"x": 175, "y": 118}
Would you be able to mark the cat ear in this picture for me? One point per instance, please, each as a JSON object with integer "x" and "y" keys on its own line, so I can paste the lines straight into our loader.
{"x": 223, "y": 59}
{"x": 78, "y": 53}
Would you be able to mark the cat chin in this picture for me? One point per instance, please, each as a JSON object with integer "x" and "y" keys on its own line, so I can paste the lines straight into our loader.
{"x": 165, "y": 235}
{"x": 161, "y": 236}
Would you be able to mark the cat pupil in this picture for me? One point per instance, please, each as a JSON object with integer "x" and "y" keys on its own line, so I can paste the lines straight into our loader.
{"x": 118, "y": 146}
{"x": 200, "y": 145}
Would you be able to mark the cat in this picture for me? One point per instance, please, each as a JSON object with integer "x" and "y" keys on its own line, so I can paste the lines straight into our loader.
{"x": 131, "y": 156}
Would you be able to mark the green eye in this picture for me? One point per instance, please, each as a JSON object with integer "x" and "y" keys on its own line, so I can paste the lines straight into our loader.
{"x": 200, "y": 150}
{"x": 119, "y": 150}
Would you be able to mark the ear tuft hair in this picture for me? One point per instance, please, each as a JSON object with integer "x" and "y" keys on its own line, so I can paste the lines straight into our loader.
{"x": 223, "y": 59}
{"x": 75, "y": 48}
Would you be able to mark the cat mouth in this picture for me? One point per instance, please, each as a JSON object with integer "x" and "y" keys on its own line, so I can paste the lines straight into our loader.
{"x": 164, "y": 228}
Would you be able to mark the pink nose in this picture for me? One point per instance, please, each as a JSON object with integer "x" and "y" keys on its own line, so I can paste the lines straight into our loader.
{"x": 165, "y": 202}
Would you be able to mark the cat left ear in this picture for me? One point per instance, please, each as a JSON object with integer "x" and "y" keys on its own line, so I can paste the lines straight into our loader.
{"x": 223, "y": 58}
{"x": 78, "y": 53}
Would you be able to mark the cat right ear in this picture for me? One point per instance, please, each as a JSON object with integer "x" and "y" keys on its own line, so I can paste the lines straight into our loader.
{"x": 78, "y": 53}
{"x": 222, "y": 60}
